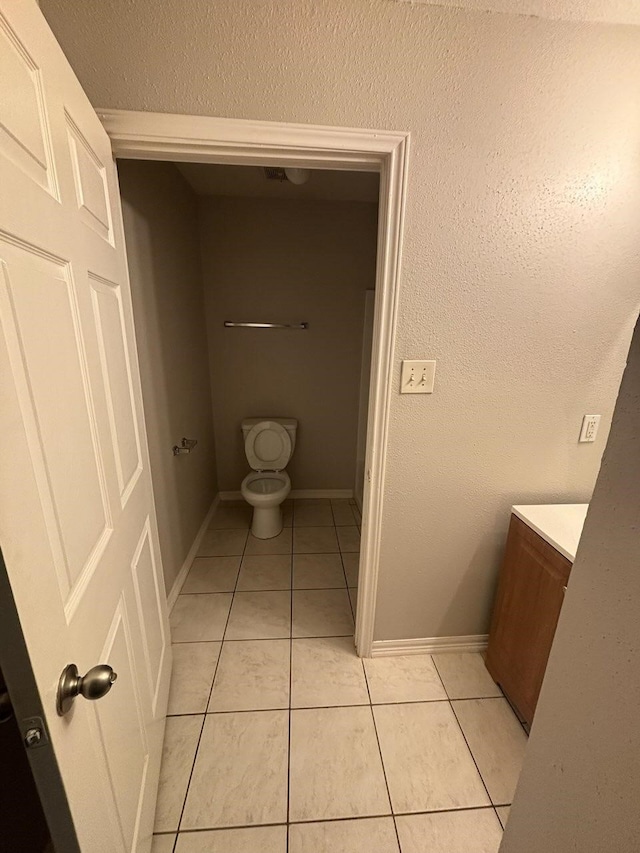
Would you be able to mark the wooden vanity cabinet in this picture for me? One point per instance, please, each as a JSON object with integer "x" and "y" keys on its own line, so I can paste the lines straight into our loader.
{"x": 530, "y": 593}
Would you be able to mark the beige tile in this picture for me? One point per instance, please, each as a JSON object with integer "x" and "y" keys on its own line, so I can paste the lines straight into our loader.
{"x": 199, "y": 618}
{"x": 315, "y": 540}
{"x": 353, "y": 598}
{"x": 405, "y": 678}
{"x": 326, "y": 672}
{"x": 260, "y": 615}
{"x": 240, "y": 774}
{"x": 427, "y": 762}
{"x": 265, "y": 572}
{"x": 312, "y": 502}
{"x": 212, "y": 574}
{"x": 358, "y": 516}
{"x": 497, "y": 741}
{"x": 348, "y": 539}
{"x": 280, "y": 544}
{"x": 321, "y": 613}
{"x": 258, "y": 839}
{"x": 312, "y": 515}
{"x": 287, "y": 514}
{"x": 227, "y": 517}
{"x": 194, "y": 665}
{"x": 343, "y": 514}
{"x": 335, "y": 765}
{"x": 163, "y": 843}
{"x": 252, "y": 675}
{"x": 476, "y": 831}
{"x": 351, "y": 563}
{"x": 317, "y": 571}
{"x": 367, "y": 835}
{"x": 465, "y": 676}
{"x": 179, "y": 749}
{"x": 222, "y": 543}
{"x": 503, "y": 814}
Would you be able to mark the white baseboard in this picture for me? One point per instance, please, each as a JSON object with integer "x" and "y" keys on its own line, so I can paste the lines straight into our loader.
{"x": 429, "y": 645}
{"x": 182, "y": 574}
{"x": 300, "y": 494}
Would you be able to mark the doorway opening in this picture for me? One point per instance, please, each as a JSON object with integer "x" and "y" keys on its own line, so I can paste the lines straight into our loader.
{"x": 198, "y": 140}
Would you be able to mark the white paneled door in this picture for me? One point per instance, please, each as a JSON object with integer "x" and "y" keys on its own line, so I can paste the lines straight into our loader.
{"x": 77, "y": 522}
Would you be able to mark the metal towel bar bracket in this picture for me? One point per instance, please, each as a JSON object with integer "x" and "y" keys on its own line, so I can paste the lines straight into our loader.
{"x": 228, "y": 324}
{"x": 185, "y": 446}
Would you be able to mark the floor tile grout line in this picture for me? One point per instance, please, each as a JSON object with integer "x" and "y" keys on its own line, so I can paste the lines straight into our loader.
{"x": 204, "y": 720}
{"x": 343, "y": 819}
{"x": 484, "y": 784}
{"x": 384, "y": 769}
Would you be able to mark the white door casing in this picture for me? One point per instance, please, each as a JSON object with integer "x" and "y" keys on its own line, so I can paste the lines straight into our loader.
{"x": 77, "y": 522}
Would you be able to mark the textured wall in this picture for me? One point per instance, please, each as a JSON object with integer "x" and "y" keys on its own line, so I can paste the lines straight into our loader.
{"x": 281, "y": 261}
{"x": 580, "y": 788}
{"x": 521, "y": 257}
{"x": 161, "y": 230}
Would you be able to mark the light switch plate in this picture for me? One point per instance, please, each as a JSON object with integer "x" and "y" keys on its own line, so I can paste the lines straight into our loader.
{"x": 417, "y": 377}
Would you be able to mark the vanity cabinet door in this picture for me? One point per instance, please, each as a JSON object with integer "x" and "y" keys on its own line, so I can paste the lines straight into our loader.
{"x": 530, "y": 594}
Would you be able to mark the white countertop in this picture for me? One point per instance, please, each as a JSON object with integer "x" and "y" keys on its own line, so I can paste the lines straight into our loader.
{"x": 559, "y": 524}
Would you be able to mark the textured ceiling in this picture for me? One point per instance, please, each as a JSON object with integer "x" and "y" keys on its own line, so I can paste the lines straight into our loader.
{"x": 602, "y": 11}
{"x": 250, "y": 182}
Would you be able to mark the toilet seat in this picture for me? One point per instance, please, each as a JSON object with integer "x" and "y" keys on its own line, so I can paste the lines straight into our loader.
{"x": 265, "y": 488}
{"x": 268, "y": 447}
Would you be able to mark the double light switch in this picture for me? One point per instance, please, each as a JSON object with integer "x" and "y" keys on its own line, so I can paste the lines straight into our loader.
{"x": 417, "y": 377}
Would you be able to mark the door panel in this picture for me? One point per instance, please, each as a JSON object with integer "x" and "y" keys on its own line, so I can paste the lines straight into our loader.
{"x": 77, "y": 519}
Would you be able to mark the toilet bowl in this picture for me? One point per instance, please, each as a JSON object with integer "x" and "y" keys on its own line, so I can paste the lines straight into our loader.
{"x": 268, "y": 447}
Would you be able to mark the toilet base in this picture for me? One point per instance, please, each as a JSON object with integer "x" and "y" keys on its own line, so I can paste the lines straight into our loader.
{"x": 267, "y": 522}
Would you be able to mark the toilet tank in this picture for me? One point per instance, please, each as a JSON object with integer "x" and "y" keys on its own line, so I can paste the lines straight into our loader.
{"x": 290, "y": 424}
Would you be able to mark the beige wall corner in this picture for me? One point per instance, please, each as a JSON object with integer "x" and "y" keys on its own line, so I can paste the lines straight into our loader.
{"x": 161, "y": 231}
{"x": 580, "y": 788}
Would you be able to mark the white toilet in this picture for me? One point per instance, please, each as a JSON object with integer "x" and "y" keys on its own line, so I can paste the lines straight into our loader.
{"x": 268, "y": 444}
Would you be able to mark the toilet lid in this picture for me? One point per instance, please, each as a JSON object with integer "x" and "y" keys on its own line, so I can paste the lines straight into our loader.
{"x": 268, "y": 447}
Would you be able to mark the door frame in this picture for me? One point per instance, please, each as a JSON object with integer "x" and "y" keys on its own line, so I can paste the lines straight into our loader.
{"x": 203, "y": 139}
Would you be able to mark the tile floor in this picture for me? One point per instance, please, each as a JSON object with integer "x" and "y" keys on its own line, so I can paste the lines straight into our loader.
{"x": 281, "y": 740}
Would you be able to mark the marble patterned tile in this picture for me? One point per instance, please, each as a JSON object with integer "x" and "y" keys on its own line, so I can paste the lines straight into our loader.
{"x": 321, "y": 613}
{"x": 265, "y": 572}
{"x": 252, "y": 675}
{"x": 260, "y": 615}
{"x": 351, "y": 563}
{"x": 348, "y": 539}
{"x": 476, "y": 831}
{"x": 254, "y": 839}
{"x": 497, "y": 741}
{"x": 163, "y": 843}
{"x": 229, "y": 517}
{"x": 343, "y": 514}
{"x": 427, "y": 762}
{"x": 373, "y": 835}
{"x": 180, "y": 742}
{"x": 240, "y": 774}
{"x": 315, "y": 540}
{"x": 503, "y": 814}
{"x": 318, "y": 571}
{"x": 312, "y": 515}
{"x": 199, "y": 618}
{"x": 403, "y": 678}
{"x": 212, "y": 574}
{"x": 194, "y": 665}
{"x": 222, "y": 543}
{"x": 326, "y": 672}
{"x": 465, "y": 676}
{"x": 335, "y": 765}
{"x": 280, "y": 544}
